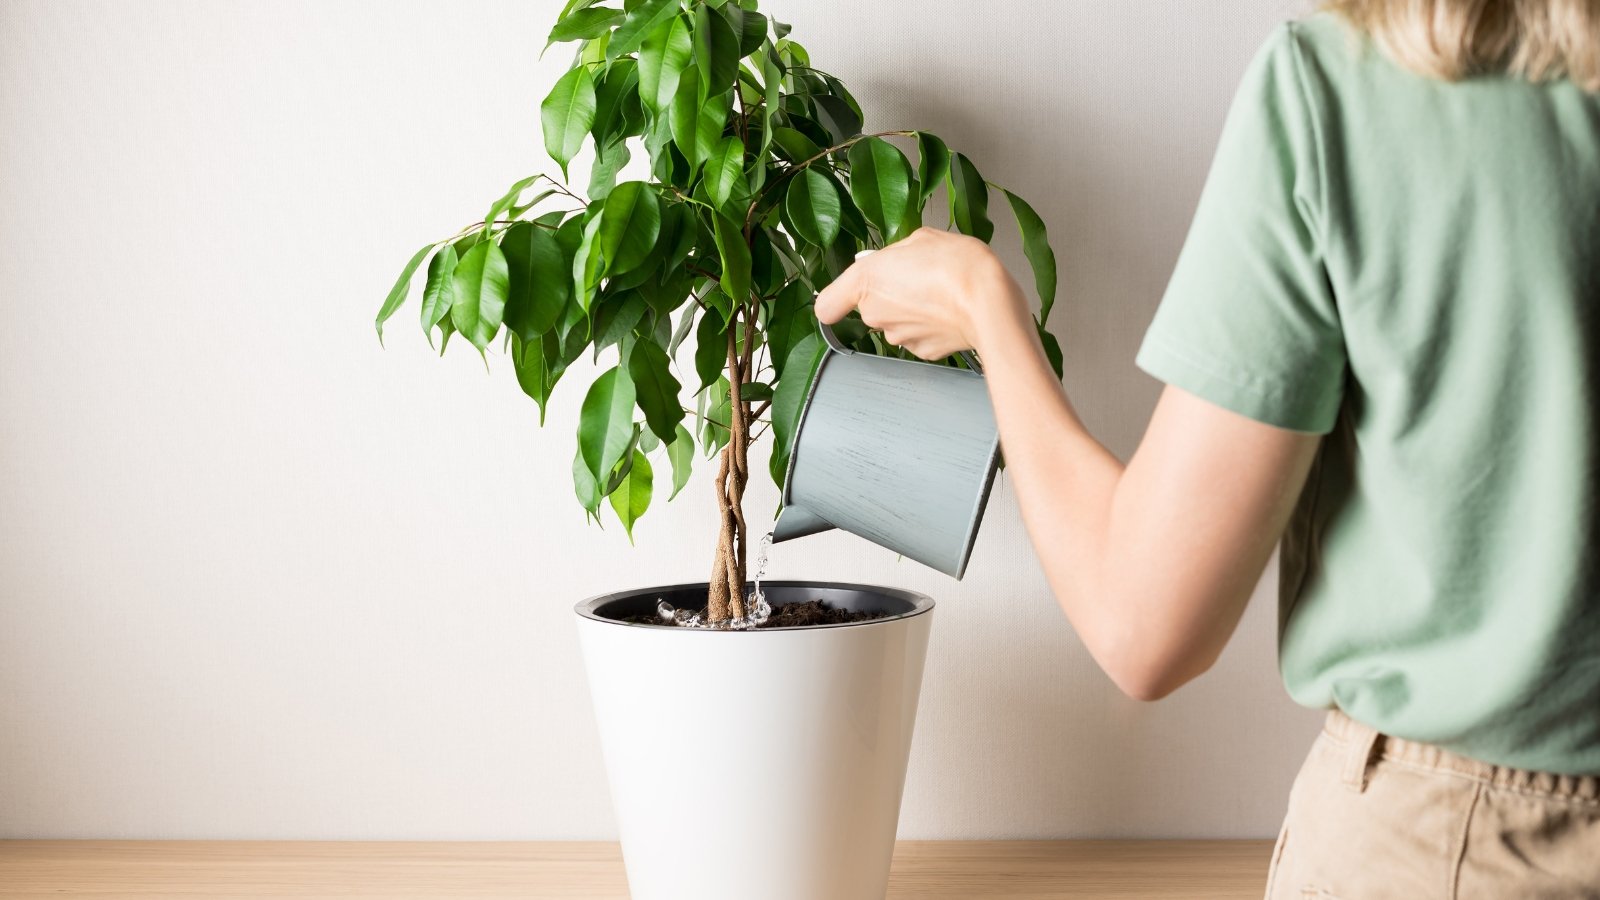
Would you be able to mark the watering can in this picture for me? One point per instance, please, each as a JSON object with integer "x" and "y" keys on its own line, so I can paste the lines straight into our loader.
{"x": 900, "y": 452}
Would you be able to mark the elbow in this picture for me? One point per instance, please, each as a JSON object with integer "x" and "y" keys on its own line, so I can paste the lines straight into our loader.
{"x": 1148, "y": 672}
{"x": 1145, "y": 688}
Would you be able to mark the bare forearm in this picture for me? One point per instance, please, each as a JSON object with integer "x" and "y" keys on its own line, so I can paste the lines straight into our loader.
{"x": 1064, "y": 480}
{"x": 1152, "y": 562}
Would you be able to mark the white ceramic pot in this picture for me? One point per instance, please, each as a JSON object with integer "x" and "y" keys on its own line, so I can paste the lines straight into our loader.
{"x": 757, "y": 765}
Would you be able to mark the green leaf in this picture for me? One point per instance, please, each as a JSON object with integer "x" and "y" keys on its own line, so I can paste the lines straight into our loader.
{"x": 616, "y": 317}
{"x": 593, "y": 53}
{"x": 671, "y": 290}
{"x": 725, "y": 170}
{"x": 790, "y": 397}
{"x": 710, "y": 349}
{"x": 540, "y": 284}
{"x": 681, "y": 454}
{"x": 584, "y": 24}
{"x": 655, "y": 389}
{"x": 679, "y": 221}
{"x": 969, "y": 199}
{"x": 792, "y": 319}
{"x": 933, "y": 164}
{"x": 573, "y": 5}
{"x": 481, "y": 281}
{"x": 607, "y": 163}
{"x": 509, "y": 198}
{"x": 755, "y": 391}
{"x": 696, "y": 121}
{"x": 1052, "y": 350}
{"x": 735, "y": 255}
{"x": 587, "y": 263}
{"x": 641, "y": 20}
{"x": 446, "y": 329}
{"x": 1036, "y": 247}
{"x": 713, "y": 119}
{"x": 794, "y": 265}
{"x": 717, "y": 301}
{"x": 794, "y": 145}
{"x": 662, "y": 59}
{"x": 558, "y": 355}
{"x": 439, "y": 293}
{"x": 716, "y": 50}
{"x": 850, "y": 219}
{"x": 605, "y": 422}
{"x": 772, "y": 85}
{"x": 812, "y": 203}
{"x": 631, "y": 224}
{"x": 685, "y": 325}
{"x": 648, "y": 442}
{"x": 567, "y": 114}
{"x": 585, "y": 485}
{"x": 402, "y": 288}
{"x": 616, "y": 99}
{"x": 880, "y": 182}
{"x": 766, "y": 271}
{"x": 749, "y": 25}
{"x": 533, "y": 372}
{"x": 632, "y": 496}
{"x": 837, "y": 116}
{"x": 714, "y": 431}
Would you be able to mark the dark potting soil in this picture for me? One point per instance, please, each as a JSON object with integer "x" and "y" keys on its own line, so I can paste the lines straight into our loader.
{"x": 793, "y": 615}
{"x": 816, "y": 612}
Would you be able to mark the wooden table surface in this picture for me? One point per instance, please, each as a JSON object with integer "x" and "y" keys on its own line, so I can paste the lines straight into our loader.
{"x": 236, "y": 870}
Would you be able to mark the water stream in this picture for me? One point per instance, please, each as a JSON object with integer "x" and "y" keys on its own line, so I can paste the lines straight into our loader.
{"x": 756, "y": 607}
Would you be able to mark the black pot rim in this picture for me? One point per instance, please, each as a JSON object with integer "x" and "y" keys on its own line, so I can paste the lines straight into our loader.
{"x": 920, "y": 605}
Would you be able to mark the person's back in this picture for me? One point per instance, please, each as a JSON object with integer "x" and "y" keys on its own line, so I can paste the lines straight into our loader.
{"x": 1440, "y": 317}
{"x": 1455, "y": 597}
{"x": 1431, "y": 301}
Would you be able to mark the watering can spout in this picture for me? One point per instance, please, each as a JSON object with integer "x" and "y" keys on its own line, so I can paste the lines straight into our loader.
{"x": 796, "y": 521}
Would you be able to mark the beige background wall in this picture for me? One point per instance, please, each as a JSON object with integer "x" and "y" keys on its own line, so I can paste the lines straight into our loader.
{"x": 260, "y": 578}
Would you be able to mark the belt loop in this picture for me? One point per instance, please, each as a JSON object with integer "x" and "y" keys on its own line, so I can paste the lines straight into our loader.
{"x": 1360, "y": 740}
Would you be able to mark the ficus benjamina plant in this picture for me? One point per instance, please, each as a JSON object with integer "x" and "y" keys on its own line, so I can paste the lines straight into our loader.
{"x": 696, "y": 283}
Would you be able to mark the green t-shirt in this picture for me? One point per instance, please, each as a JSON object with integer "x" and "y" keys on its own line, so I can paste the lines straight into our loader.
{"x": 1412, "y": 268}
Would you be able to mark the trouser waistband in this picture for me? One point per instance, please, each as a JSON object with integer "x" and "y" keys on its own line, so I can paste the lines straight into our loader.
{"x": 1364, "y": 745}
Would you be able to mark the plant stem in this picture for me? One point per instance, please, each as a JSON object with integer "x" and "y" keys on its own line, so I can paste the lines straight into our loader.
{"x": 562, "y": 188}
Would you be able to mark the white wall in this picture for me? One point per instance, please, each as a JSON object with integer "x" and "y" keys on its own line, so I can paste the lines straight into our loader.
{"x": 260, "y": 578}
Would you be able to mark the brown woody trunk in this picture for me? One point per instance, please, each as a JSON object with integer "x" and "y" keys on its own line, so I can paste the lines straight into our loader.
{"x": 726, "y": 598}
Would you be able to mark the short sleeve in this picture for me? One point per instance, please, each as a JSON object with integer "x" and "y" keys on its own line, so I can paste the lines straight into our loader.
{"x": 1248, "y": 321}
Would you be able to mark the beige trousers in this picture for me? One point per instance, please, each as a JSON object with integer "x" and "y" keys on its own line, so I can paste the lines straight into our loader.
{"x": 1373, "y": 817}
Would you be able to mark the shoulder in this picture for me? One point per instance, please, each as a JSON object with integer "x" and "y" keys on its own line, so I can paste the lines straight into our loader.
{"x": 1297, "y": 63}
{"x": 1323, "y": 37}
{"x": 1325, "y": 53}
{"x": 1306, "y": 66}
{"x": 1320, "y": 46}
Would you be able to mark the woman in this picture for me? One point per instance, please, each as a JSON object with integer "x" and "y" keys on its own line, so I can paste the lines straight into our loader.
{"x": 1381, "y": 345}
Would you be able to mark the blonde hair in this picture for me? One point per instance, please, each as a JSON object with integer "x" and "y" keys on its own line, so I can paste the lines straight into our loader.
{"x": 1452, "y": 39}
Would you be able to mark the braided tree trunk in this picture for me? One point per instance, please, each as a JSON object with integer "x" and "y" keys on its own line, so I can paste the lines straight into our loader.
{"x": 733, "y": 473}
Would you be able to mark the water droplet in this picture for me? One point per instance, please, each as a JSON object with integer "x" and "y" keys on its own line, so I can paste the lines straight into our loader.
{"x": 757, "y": 609}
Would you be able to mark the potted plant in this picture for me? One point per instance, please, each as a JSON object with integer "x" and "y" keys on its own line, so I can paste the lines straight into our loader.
{"x": 745, "y": 763}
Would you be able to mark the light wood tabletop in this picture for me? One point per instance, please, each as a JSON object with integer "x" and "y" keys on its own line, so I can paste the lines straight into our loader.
{"x": 243, "y": 870}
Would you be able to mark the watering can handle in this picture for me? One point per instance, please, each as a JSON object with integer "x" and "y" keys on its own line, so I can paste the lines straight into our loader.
{"x": 837, "y": 346}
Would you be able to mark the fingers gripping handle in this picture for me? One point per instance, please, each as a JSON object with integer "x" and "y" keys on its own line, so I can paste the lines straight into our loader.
{"x": 838, "y": 346}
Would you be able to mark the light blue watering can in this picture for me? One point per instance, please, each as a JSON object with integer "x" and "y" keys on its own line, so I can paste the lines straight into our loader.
{"x": 900, "y": 452}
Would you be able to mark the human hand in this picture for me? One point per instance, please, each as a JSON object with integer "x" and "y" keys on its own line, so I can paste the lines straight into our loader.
{"x": 934, "y": 293}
